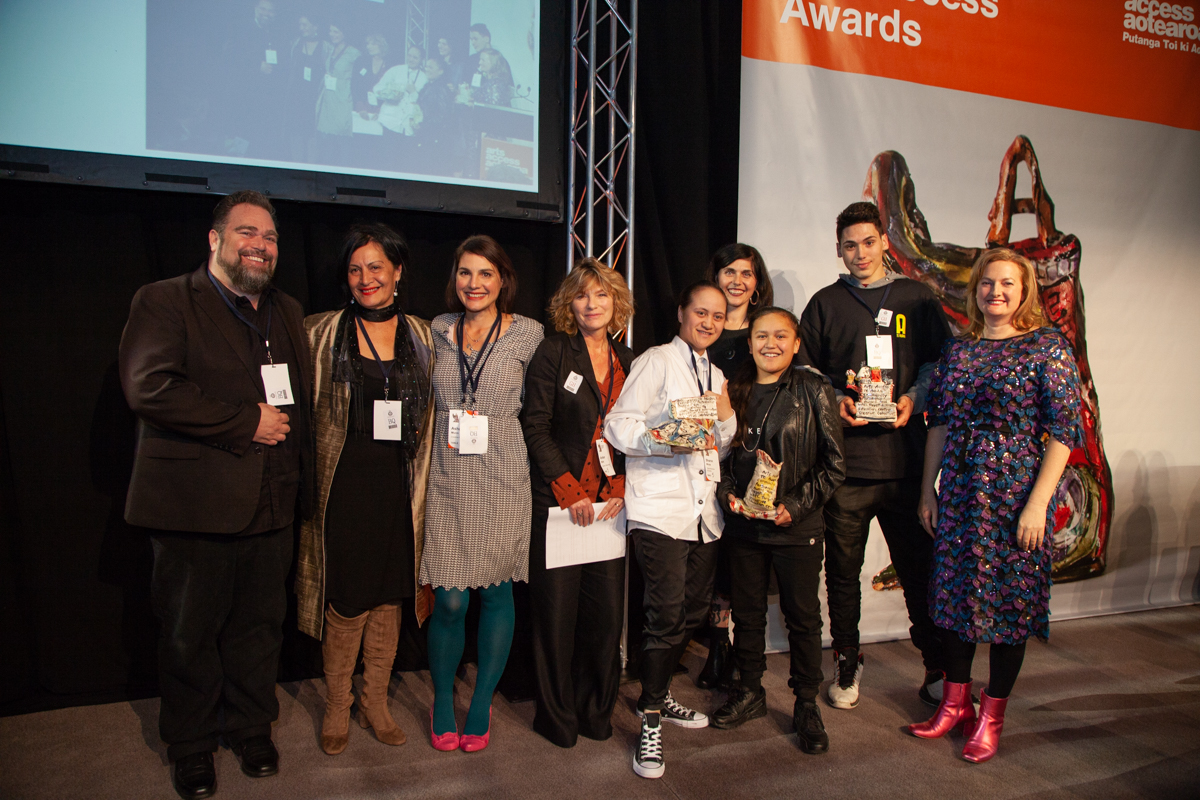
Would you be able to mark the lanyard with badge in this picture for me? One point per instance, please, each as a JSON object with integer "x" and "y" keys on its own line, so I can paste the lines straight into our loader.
{"x": 277, "y": 385}
{"x": 879, "y": 348}
{"x": 468, "y": 429}
{"x": 387, "y": 411}
{"x": 712, "y": 464}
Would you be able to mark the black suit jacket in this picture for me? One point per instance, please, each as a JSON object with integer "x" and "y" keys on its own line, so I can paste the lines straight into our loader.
{"x": 559, "y": 424}
{"x": 189, "y": 374}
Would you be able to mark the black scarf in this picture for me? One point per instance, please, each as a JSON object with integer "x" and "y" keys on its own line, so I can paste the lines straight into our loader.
{"x": 409, "y": 381}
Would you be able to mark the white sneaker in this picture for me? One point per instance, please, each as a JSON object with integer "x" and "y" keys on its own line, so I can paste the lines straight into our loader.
{"x": 678, "y": 714}
{"x": 843, "y": 692}
{"x": 648, "y": 761}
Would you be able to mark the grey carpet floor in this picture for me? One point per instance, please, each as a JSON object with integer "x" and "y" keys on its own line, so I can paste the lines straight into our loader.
{"x": 1110, "y": 708}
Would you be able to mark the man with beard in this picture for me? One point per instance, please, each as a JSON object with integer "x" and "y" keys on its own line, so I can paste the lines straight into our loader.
{"x": 215, "y": 365}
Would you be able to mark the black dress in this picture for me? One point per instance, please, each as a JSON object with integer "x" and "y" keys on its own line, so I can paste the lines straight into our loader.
{"x": 368, "y": 521}
{"x": 730, "y": 350}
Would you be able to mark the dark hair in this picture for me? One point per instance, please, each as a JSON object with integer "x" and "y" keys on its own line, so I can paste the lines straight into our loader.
{"x": 488, "y": 248}
{"x": 245, "y": 196}
{"x": 390, "y": 240}
{"x": 689, "y": 292}
{"x": 480, "y": 28}
{"x": 857, "y": 214}
{"x": 741, "y": 385}
{"x": 736, "y": 252}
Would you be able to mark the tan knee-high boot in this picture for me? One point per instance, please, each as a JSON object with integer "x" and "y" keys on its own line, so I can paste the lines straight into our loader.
{"x": 339, "y": 650}
{"x": 379, "y": 651}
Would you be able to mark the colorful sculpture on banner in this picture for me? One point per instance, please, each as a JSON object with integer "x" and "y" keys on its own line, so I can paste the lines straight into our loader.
{"x": 1085, "y": 493}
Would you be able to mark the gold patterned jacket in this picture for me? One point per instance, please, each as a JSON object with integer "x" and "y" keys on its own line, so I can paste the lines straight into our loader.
{"x": 331, "y": 415}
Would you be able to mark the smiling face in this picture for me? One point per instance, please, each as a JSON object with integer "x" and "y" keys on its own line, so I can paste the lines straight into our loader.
{"x": 373, "y": 48}
{"x": 703, "y": 319}
{"x": 861, "y": 250}
{"x": 477, "y": 283}
{"x": 486, "y": 62}
{"x": 372, "y": 277}
{"x": 593, "y": 309}
{"x": 247, "y": 249}
{"x": 307, "y": 29}
{"x": 415, "y": 57}
{"x": 433, "y": 68}
{"x": 773, "y": 344}
{"x": 479, "y": 41}
{"x": 999, "y": 293}
{"x": 443, "y": 48}
{"x": 335, "y": 34}
{"x": 738, "y": 283}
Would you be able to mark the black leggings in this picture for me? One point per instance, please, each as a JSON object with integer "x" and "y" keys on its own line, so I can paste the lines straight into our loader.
{"x": 1005, "y": 663}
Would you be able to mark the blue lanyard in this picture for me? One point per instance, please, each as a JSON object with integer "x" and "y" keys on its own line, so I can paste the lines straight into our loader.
{"x": 472, "y": 375}
{"x": 875, "y": 313}
{"x": 696, "y": 369}
{"x": 265, "y": 337}
{"x": 386, "y": 372}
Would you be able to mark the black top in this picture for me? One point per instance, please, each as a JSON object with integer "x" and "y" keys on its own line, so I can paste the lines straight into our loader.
{"x": 833, "y": 331}
{"x": 369, "y": 547}
{"x": 730, "y": 350}
{"x": 281, "y": 475}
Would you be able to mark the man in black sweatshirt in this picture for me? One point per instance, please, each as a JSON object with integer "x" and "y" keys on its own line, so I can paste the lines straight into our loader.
{"x": 902, "y": 323}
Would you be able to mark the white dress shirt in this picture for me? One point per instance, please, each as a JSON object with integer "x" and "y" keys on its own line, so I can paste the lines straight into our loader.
{"x": 396, "y": 112}
{"x": 666, "y": 492}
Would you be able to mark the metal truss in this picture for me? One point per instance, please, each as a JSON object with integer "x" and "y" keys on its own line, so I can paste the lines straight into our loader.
{"x": 603, "y": 114}
{"x": 416, "y": 27}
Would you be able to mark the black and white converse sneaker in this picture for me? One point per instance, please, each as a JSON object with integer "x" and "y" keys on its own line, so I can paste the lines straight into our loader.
{"x": 681, "y": 715}
{"x": 648, "y": 761}
{"x": 843, "y": 692}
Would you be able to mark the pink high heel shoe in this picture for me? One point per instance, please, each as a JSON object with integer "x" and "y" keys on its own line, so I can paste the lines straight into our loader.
{"x": 473, "y": 744}
{"x": 443, "y": 741}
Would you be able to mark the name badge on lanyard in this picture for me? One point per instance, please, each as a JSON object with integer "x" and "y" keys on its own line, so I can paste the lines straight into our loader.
{"x": 277, "y": 385}
{"x": 272, "y": 57}
{"x": 604, "y": 454}
{"x": 387, "y": 420}
{"x": 712, "y": 466}
{"x": 473, "y": 434}
{"x": 879, "y": 352}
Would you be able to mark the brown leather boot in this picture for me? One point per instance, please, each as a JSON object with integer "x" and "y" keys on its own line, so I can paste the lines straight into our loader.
{"x": 379, "y": 651}
{"x": 339, "y": 650}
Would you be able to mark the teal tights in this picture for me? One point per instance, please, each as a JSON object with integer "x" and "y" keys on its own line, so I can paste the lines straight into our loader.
{"x": 447, "y": 636}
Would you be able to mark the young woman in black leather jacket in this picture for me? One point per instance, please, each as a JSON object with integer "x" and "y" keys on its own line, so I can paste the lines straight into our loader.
{"x": 789, "y": 413}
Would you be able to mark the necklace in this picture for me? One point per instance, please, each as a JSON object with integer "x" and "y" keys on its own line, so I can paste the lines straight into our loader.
{"x": 762, "y": 425}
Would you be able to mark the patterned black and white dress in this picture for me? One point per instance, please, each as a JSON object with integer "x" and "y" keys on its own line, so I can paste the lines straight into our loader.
{"x": 478, "y": 507}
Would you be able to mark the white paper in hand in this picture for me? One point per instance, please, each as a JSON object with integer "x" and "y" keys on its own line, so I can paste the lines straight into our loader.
{"x": 568, "y": 544}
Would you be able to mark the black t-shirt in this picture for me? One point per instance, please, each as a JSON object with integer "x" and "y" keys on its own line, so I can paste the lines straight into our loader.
{"x": 833, "y": 331}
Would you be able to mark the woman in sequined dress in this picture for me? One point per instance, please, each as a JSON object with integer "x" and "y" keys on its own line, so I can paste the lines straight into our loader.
{"x": 1003, "y": 415}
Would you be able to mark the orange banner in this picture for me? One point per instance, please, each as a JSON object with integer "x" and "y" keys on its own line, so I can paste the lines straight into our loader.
{"x": 1136, "y": 59}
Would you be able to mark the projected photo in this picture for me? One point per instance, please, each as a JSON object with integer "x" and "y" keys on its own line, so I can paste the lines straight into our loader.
{"x": 436, "y": 90}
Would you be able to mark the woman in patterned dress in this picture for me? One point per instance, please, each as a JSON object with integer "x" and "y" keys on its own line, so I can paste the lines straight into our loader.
{"x": 1004, "y": 416}
{"x": 478, "y": 500}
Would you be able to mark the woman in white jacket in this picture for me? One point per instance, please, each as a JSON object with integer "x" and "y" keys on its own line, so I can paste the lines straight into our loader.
{"x": 671, "y": 505}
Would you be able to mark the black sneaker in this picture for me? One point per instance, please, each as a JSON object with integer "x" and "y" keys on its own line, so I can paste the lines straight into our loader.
{"x": 931, "y": 688}
{"x": 810, "y": 730}
{"x": 843, "y": 692}
{"x": 743, "y": 705}
{"x": 678, "y": 714}
{"x": 648, "y": 761}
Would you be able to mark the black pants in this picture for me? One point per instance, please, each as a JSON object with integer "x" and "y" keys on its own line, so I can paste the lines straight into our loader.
{"x": 847, "y": 519}
{"x": 221, "y": 601}
{"x": 576, "y": 642}
{"x": 679, "y": 578}
{"x": 798, "y": 571}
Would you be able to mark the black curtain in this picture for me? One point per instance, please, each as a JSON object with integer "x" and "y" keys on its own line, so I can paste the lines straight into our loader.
{"x": 75, "y": 616}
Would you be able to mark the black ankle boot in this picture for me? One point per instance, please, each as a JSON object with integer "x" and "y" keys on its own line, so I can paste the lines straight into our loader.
{"x": 719, "y": 663}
